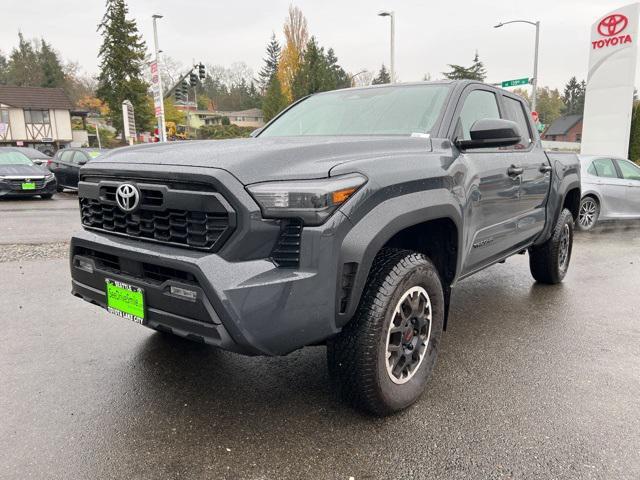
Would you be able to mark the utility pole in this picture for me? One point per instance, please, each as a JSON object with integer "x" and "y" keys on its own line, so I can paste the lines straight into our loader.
{"x": 534, "y": 80}
{"x": 392, "y": 16}
{"x": 162, "y": 132}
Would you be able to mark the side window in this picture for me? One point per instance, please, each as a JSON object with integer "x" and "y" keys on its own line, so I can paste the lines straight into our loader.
{"x": 515, "y": 113}
{"x": 604, "y": 168}
{"x": 592, "y": 169}
{"x": 67, "y": 156}
{"x": 479, "y": 104}
{"x": 629, "y": 170}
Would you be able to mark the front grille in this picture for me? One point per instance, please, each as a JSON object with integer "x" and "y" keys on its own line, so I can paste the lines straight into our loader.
{"x": 16, "y": 184}
{"x": 195, "y": 219}
{"x": 287, "y": 250}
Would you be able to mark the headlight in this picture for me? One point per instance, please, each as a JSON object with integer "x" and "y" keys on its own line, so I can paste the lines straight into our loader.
{"x": 311, "y": 200}
{"x": 49, "y": 176}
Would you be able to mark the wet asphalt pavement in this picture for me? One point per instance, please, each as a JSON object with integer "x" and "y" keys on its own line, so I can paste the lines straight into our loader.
{"x": 532, "y": 382}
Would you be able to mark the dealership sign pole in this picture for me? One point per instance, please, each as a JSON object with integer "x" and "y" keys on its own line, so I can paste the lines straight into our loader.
{"x": 610, "y": 83}
{"x": 156, "y": 84}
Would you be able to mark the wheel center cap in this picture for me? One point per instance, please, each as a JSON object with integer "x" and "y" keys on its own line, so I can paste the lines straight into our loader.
{"x": 408, "y": 335}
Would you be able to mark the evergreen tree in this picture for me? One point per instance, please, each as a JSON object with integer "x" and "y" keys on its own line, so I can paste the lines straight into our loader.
{"x": 270, "y": 66}
{"x": 383, "y": 77}
{"x": 573, "y": 97}
{"x": 4, "y": 70}
{"x": 24, "y": 68}
{"x": 634, "y": 138}
{"x": 52, "y": 73}
{"x": 121, "y": 61}
{"x": 474, "y": 72}
{"x": 314, "y": 74}
{"x": 274, "y": 100}
{"x": 341, "y": 78}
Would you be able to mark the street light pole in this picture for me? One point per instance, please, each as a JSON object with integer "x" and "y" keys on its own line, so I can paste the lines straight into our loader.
{"x": 392, "y": 16}
{"x": 534, "y": 82}
{"x": 161, "y": 125}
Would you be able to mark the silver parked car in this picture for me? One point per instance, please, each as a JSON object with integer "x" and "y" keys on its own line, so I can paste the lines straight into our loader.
{"x": 610, "y": 190}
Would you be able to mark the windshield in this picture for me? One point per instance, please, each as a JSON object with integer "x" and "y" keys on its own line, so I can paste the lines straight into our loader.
{"x": 14, "y": 158}
{"x": 397, "y": 110}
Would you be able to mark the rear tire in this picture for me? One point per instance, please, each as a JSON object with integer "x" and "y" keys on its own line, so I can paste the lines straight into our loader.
{"x": 588, "y": 213}
{"x": 59, "y": 189}
{"x": 383, "y": 358}
{"x": 549, "y": 262}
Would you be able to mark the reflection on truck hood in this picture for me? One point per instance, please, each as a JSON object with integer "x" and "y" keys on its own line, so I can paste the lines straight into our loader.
{"x": 256, "y": 160}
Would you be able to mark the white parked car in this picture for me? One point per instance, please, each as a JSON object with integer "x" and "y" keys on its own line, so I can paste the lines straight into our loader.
{"x": 610, "y": 190}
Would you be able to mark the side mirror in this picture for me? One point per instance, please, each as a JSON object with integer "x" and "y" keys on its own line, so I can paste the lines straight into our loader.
{"x": 82, "y": 162}
{"x": 491, "y": 133}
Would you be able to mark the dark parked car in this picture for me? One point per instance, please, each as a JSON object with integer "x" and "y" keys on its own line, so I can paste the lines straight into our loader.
{"x": 347, "y": 221}
{"x": 67, "y": 162}
{"x": 19, "y": 176}
{"x": 35, "y": 155}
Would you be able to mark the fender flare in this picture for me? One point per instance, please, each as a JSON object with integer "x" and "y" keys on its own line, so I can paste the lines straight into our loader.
{"x": 379, "y": 225}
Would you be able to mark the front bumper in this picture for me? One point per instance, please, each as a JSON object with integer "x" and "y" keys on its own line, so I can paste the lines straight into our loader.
{"x": 7, "y": 190}
{"x": 251, "y": 307}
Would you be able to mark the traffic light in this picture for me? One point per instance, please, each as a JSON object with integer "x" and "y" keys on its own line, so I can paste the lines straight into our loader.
{"x": 185, "y": 88}
{"x": 193, "y": 79}
{"x": 201, "y": 71}
{"x": 178, "y": 94}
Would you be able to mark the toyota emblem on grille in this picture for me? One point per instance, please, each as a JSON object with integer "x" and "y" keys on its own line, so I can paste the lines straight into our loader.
{"x": 127, "y": 197}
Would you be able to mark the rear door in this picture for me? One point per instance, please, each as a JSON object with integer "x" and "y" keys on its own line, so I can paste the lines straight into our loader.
{"x": 631, "y": 176}
{"x": 536, "y": 177}
{"x": 490, "y": 190}
{"x": 63, "y": 167}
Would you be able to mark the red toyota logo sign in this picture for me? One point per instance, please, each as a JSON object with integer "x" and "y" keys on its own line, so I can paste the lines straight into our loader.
{"x": 612, "y": 25}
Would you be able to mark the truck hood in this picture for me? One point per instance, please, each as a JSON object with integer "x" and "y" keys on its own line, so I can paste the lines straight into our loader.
{"x": 253, "y": 160}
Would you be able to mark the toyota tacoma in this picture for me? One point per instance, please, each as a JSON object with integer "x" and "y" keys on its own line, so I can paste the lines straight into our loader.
{"x": 347, "y": 221}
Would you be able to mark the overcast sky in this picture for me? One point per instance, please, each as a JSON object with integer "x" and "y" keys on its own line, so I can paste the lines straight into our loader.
{"x": 429, "y": 34}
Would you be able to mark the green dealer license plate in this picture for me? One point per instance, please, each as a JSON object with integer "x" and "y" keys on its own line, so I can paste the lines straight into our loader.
{"x": 126, "y": 301}
{"x": 28, "y": 186}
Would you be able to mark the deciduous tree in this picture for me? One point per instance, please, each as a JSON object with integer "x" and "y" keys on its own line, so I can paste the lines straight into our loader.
{"x": 297, "y": 36}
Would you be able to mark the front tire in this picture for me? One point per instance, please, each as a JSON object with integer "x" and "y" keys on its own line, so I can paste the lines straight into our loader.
{"x": 383, "y": 359}
{"x": 549, "y": 262}
{"x": 588, "y": 214}
{"x": 46, "y": 196}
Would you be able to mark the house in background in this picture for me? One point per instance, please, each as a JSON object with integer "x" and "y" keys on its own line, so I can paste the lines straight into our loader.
{"x": 35, "y": 117}
{"x": 564, "y": 129}
{"x": 253, "y": 118}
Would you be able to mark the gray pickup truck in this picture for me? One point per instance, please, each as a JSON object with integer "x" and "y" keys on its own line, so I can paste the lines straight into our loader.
{"x": 345, "y": 221}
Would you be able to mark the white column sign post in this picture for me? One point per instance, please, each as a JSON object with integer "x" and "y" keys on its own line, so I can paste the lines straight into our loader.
{"x": 610, "y": 83}
{"x": 129, "y": 122}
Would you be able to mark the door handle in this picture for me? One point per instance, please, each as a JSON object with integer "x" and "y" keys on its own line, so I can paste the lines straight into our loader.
{"x": 544, "y": 168}
{"x": 514, "y": 171}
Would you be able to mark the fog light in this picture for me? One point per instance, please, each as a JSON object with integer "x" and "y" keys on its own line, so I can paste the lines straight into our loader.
{"x": 185, "y": 293}
{"x": 84, "y": 264}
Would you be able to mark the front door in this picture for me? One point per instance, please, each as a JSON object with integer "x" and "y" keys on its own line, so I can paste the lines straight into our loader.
{"x": 613, "y": 188}
{"x": 490, "y": 190}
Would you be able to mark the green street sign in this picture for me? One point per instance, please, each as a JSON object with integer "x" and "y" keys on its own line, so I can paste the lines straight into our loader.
{"x": 515, "y": 83}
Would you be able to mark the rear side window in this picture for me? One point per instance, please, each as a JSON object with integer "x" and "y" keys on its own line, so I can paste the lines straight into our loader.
{"x": 479, "y": 104}
{"x": 515, "y": 112}
{"x": 630, "y": 171}
{"x": 604, "y": 168}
